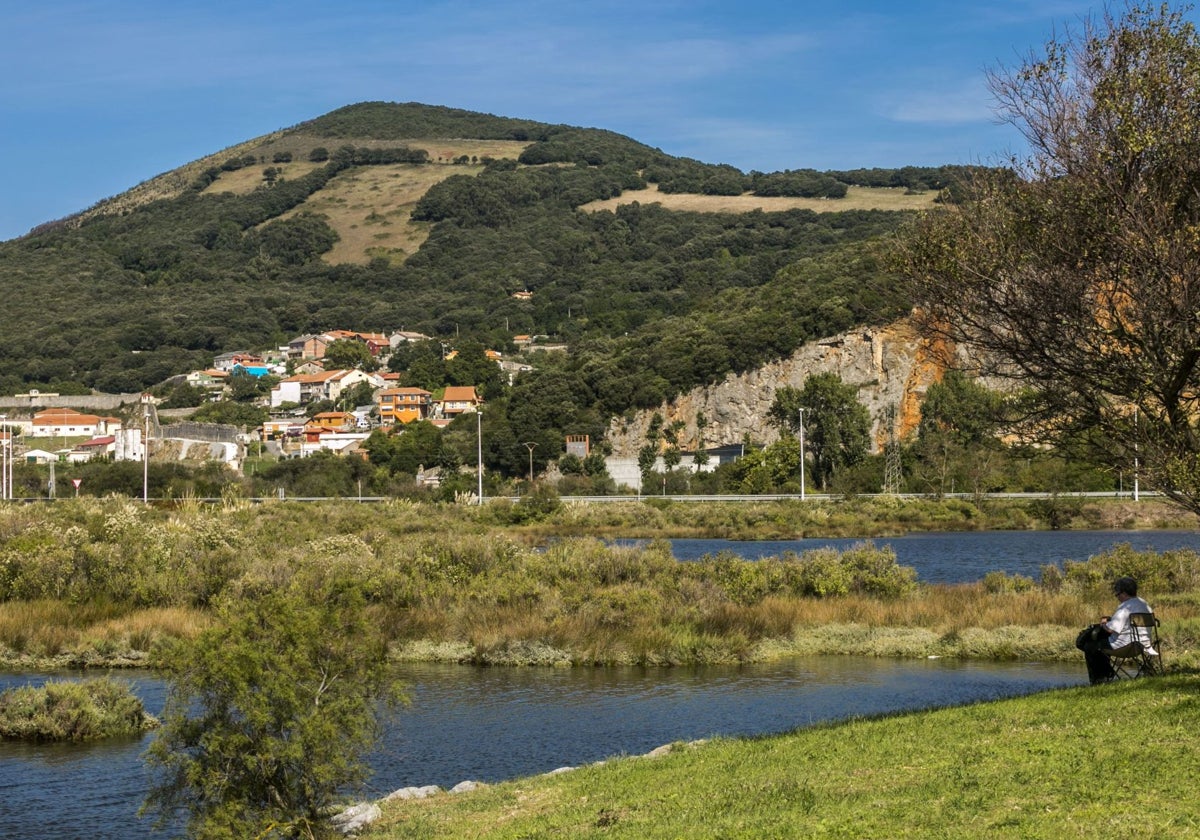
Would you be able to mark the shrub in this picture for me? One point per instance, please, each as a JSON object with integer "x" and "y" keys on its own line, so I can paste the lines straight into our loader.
{"x": 72, "y": 711}
{"x": 1171, "y": 571}
{"x": 270, "y": 715}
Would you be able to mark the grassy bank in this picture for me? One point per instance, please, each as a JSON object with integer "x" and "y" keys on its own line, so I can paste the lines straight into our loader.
{"x": 103, "y": 582}
{"x": 1072, "y": 763}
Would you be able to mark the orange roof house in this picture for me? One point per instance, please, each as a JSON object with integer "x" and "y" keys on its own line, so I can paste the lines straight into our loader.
{"x": 333, "y": 421}
{"x": 402, "y": 405}
{"x": 458, "y": 399}
{"x": 67, "y": 422}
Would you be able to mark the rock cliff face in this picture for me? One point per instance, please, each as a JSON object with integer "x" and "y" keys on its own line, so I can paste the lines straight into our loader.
{"x": 889, "y": 365}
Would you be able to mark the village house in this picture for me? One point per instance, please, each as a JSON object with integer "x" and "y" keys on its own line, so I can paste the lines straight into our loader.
{"x": 403, "y": 337}
{"x": 227, "y": 361}
{"x": 327, "y": 385}
{"x": 280, "y": 427}
{"x": 332, "y": 421}
{"x": 257, "y": 371}
{"x": 97, "y": 447}
{"x": 403, "y": 405}
{"x": 212, "y": 381}
{"x": 40, "y": 456}
{"x": 456, "y": 400}
{"x": 308, "y": 346}
{"x": 308, "y": 366}
{"x": 315, "y": 346}
{"x": 67, "y": 422}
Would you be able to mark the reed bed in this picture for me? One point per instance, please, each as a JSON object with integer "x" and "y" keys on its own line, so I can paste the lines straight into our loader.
{"x": 104, "y": 581}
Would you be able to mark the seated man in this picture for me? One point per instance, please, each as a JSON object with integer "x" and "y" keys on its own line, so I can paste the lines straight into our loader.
{"x": 1114, "y": 632}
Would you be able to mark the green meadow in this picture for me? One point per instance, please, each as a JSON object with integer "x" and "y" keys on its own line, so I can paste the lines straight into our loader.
{"x": 1116, "y": 760}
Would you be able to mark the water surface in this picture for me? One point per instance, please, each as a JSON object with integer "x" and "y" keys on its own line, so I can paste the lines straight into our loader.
{"x": 962, "y": 557}
{"x": 490, "y": 724}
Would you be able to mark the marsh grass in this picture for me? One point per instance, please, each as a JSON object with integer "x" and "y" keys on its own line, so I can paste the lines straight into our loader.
{"x": 89, "y": 634}
{"x": 91, "y": 582}
{"x": 1017, "y": 768}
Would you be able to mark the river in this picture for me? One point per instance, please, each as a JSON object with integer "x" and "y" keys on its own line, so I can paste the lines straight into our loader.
{"x": 489, "y": 724}
{"x": 960, "y": 557}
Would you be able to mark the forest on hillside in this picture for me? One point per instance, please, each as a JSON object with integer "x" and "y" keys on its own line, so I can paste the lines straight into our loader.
{"x": 650, "y": 301}
{"x": 122, "y": 301}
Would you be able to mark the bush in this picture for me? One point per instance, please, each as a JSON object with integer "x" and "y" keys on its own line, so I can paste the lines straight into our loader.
{"x": 271, "y": 713}
{"x": 1171, "y": 571}
{"x": 72, "y": 711}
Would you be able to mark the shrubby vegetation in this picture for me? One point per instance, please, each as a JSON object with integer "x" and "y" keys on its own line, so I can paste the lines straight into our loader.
{"x": 271, "y": 711}
{"x": 62, "y": 710}
{"x": 470, "y": 581}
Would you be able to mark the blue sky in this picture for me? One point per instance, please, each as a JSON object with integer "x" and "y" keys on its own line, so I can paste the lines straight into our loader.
{"x": 96, "y": 97}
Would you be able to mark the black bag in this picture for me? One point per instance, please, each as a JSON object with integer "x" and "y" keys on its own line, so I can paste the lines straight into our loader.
{"x": 1090, "y": 636}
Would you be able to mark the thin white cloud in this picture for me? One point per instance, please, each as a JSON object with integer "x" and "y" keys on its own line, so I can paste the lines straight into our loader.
{"x": 965, "y": 102}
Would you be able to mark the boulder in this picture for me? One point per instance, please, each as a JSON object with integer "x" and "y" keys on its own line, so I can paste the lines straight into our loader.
{"x": 355, "y": 818}
{"x": 413, "y": 793}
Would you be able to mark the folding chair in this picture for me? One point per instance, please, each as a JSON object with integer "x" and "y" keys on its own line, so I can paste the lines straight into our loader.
{"x": 1141, "y": 658}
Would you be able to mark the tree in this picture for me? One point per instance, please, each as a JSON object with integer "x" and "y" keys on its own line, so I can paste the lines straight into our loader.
{"x": 1074, "y": 270}
{"x": 837, "y": 426}
{"x": 271, "y": 712}
{"x": 231, "y": 413}
{"x": 345, "y": 354}
{"x": 963, "y": 409}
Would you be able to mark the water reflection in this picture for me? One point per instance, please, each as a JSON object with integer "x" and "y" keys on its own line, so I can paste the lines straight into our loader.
{"x": 490, "y": 724}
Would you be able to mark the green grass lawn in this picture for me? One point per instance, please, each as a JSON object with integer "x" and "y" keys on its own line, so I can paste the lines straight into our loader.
{"x": 1112, "y": 761}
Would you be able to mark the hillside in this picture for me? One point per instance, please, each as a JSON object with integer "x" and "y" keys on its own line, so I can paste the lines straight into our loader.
{"x": 383, "y": 216}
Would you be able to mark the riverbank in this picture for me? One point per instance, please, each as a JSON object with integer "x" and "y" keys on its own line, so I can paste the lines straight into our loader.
{"x": 1043, "y": 766}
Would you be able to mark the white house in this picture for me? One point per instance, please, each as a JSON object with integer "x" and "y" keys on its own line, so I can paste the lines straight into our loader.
{"x": 327, "y": 385}
{"x": 67, "y": 422}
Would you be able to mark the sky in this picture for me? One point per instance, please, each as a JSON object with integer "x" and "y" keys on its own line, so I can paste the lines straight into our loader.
{"x": 96, "y": 97}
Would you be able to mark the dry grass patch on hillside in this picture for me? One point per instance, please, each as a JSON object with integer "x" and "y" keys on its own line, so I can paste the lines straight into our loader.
{"x": 371, "y": 207}
{"x": 857, "y": 198}
{"x": 444, "y": 151}
{"x": 249, "y": 178}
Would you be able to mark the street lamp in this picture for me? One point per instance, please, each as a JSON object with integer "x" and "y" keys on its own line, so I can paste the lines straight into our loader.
{"x": 1136, "y": 453}
{"x": 801, "y": 410}
{"x": 479, "y": 448}
{"x": 4, "y": 456}
{"x": 146, "y": 449}
{"x": 530, "y": 445}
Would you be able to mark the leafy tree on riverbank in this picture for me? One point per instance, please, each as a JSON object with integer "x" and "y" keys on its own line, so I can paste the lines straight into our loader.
{"x": 1075, "y": 271}
{"x": 271, "y": 713}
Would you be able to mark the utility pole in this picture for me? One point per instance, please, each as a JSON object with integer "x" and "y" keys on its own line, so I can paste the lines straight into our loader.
{"x": 4, "y": 455}
{"x": 801, "y": 410}
{"x": 146, "y": 449}
{"x": 479, "y": 448}
{"x": 530, "y": 445}
{"x": 892, "y": 469}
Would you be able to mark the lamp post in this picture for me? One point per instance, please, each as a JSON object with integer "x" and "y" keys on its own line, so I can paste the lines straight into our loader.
{"x": 479, "y": 449}
{"x": 4, "y": 456}
{"x": 530, "y": 445}
{"x": 1135, "y": 453}
{"x": 801, "y": 410}
{"x": 145, "y": 449}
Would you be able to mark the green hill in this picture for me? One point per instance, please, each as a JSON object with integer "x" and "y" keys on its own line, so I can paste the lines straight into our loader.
{"x": 382, "y": 216}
